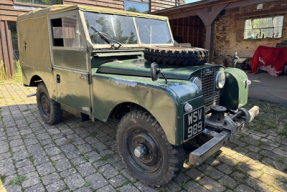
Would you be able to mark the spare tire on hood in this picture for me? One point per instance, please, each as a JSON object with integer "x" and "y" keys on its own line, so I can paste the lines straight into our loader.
{"x": 169, "y": 55}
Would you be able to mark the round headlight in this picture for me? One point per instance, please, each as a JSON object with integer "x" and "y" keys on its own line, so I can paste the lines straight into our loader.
{"x": 197, "y": 82}
{"x": 220, "y": 80}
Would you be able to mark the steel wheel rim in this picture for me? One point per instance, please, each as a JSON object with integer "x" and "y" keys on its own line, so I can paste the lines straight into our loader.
{"x": 149, "y": 163}
{"x": 45, "y": 104}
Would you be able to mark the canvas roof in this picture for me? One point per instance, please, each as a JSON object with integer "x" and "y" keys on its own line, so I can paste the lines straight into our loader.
{"x": 62, "y": 8}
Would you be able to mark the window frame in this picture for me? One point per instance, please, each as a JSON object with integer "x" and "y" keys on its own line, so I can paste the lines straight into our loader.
{"x": 140, "y": 1}
{"x": 106, "y": 46}
{"x": 83, "y": 35}
{"x": 263, "y": 17}
{"x": 34, "y": 4}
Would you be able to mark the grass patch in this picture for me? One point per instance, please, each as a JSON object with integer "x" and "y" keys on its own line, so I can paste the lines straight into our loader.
{"x": 3, "y": 71}
{"x": 26, "y": 110}
{"x": 93, "y": 134}
{"x": 96, "y": 150}
{"x": 54, "y": 163}
{"x": 105, "y": 157}
{"x": 2, "y": 178}
{"x": 18, "y": 180}
{"x": 126, "y": 183}
{"x": 87, "y": 184}
{"x": 183, "y": 184}
{"x": 86, "y": 158}
{"x": 68, "y": 141}
{"x": 28, "y": 123}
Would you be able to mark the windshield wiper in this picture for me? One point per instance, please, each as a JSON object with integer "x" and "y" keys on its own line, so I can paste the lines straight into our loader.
{"x": 107, "y": 39}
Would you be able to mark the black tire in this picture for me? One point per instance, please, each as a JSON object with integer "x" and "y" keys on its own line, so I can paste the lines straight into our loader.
{"x": 178, "y": 56}
{"x": 161, "y": 161}
{"x": 50, "y": 110}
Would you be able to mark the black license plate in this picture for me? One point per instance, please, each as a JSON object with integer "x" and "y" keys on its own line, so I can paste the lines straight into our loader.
{"x": 193, "y": 123}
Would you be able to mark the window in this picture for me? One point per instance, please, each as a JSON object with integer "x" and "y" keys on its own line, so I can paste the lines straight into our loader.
{"x": 140, "y": 6}
{"x": 153, "y": 31}
{"x": 66, "y": 32}
{"x": 40, "y": 2}
{"x": 116, "y": 27}
{"x": 269, "y": 27}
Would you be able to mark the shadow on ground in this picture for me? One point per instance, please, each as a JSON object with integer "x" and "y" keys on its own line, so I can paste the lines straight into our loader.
{"x": 83, "y": 156}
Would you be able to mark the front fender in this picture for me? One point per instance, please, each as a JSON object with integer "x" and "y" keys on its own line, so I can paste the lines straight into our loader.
{"x": 235, "y": 91}
{"x": 163, "y": 102}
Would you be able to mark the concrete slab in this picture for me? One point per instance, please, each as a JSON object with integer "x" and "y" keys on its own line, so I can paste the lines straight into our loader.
{"x": 268, "y": 88}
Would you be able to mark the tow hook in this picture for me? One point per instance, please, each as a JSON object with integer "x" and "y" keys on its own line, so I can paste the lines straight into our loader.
{"x": 31, "y": 95}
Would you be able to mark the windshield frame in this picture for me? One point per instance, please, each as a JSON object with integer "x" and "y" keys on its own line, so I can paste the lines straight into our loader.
{"x": 139, "y": 44}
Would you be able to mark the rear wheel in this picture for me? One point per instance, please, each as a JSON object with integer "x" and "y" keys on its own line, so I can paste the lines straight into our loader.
{"x": 146, "y": 151}
{"x": 50, "y": 110}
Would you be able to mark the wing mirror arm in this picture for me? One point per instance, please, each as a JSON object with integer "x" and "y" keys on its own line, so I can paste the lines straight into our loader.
{"x": 155, "y": 71}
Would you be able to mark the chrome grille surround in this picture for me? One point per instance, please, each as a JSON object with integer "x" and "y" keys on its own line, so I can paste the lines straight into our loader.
{"x": 211, "y": 96}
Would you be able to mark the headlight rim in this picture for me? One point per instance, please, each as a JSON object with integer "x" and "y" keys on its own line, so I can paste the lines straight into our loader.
{"x": 193, "y": 79}
{"x": 218, "y": 75}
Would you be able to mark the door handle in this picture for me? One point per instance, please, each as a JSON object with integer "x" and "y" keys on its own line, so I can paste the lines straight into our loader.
{"x": 58, "y": 78}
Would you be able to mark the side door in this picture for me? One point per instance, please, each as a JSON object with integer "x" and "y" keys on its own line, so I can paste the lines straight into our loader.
{"x": 70, "y": 60}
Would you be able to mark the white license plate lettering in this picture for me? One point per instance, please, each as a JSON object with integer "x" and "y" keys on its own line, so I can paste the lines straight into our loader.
{"x": 194, "y": 123}
{"x": 194, "y": 116}
{"x": 199, "y": 126}
{"x": 195, "y": 129}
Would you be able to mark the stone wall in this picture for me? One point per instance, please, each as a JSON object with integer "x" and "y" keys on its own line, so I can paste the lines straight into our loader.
{"x": 229, "y": 29}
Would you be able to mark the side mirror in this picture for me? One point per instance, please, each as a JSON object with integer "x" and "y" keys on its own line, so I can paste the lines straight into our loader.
{"x": 154, "y": 71}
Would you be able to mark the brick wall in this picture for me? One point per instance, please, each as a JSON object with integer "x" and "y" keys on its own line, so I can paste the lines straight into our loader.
{"x": 229, "y": 29}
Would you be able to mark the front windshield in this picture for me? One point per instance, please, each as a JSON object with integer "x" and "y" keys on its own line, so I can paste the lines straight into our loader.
{"x": 123, "y": 29}
{"x": 117, "y": 27}
{"x": 153, "y": 31}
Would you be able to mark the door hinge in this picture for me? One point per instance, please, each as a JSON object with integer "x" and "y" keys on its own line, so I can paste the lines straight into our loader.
{"x": 86, "y": 77}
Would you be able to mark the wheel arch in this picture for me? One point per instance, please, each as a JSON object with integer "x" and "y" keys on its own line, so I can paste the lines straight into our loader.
{"x": 122, "y": 108}
{"x": 35, "y": 80}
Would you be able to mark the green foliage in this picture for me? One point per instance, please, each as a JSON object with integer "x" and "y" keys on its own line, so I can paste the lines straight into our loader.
{"x": 105, "y": 157}
{"x": 3, "y": 71}
{"x": 133, "y": 9}
{"x": 18, "y": 180}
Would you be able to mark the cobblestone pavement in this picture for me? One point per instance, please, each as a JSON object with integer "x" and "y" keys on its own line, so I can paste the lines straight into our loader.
{"x": 76, "y": 156}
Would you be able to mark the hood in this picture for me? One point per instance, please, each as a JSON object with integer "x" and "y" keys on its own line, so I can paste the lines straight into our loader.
{"x": 141, "y": 67}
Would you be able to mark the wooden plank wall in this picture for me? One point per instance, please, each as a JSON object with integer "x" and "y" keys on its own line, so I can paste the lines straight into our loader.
{"x": 190, "y": 29}
{"x": 7, "y": 11}
{"x": 161, "y": 4}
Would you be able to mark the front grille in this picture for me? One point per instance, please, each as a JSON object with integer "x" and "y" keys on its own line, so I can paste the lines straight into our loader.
{"x": 211, "y": 97}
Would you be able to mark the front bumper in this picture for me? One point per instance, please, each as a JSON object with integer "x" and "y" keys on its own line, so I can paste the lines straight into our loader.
{"x": 228, "y": 129}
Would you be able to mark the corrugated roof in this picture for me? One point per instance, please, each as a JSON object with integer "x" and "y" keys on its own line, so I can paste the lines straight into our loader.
{"x": 63, "y": 8}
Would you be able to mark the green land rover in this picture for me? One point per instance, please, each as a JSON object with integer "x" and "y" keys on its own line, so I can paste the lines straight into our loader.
{"x": 101, "y": 63}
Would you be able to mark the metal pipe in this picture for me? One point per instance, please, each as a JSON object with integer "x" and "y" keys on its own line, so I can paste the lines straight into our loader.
{"x": 31, "y": 95}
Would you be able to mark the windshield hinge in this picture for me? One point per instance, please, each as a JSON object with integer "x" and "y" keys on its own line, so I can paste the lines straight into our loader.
{"x": 89, "y": 79}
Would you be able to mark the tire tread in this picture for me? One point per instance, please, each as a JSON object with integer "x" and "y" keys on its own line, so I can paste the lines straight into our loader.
{"x": 176, "y": 153}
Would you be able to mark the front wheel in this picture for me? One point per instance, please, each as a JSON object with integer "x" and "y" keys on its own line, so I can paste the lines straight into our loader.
{"x": 50, "y": 110}
{"x": 146, "y": 151}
